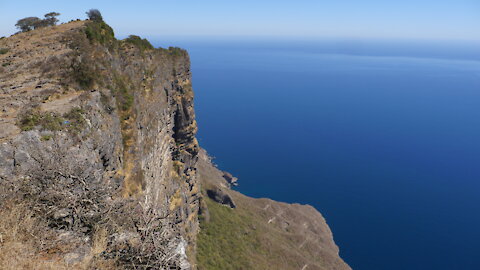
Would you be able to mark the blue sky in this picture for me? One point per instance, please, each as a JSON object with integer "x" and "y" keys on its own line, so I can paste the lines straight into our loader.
{"x": 405, "y": 19}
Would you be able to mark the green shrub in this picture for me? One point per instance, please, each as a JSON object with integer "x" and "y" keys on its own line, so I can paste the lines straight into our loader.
{"x": 142, "y": 44}
{"x": 73, "y": 121}
{"x": 123, "y": 94}
{"x": 99, "y": 31}
{"x": 83, "y": 72}
{"x": 29, "y": 121}
{"x": 176, "y": 51}
{"x": 50, "y": 121}
{"x": 4, "y": 50}
{"x": 46, "y": 137}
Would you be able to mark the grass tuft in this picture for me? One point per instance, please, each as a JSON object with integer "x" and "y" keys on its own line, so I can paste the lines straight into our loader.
{"x": 73, "y": 121}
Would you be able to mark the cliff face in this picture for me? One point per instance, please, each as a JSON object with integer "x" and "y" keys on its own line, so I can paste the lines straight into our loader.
{"x": 100, "y": 167}
{"x": 98, "y": 138}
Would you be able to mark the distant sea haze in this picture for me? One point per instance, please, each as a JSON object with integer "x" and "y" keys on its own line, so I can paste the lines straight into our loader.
{"x": 442, "y": 49}
{"x": 381, "y": 137}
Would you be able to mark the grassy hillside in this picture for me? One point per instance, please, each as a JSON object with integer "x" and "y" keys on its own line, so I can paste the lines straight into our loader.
{"x": 260, "y": 233}
{"x": 227, "y": 240}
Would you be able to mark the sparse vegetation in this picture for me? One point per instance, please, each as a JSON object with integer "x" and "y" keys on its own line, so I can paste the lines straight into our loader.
{"x": 124, "y": 97}
{"x": 46, "y": 137}
{"x": 83, "y": 72}
{"x": 99, "y": 31}
{"x": 142, "y": 44}
{"x": 176, "y": 51}
{"x": 72, "y": 121}
{"x": 122, "y": 93}
{"x": 4, "y": 50}
{"x": 226, "y": 240}
{"x": 82, "y": 65}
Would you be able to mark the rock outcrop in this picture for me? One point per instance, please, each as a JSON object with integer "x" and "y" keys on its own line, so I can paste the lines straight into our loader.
{"x": 220, "y": 196}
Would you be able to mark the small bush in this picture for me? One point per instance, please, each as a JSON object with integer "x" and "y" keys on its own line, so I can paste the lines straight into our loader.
{"x": 46, "y": 137}
{"x": 84, "y": 73}
{"x": 29, "y": 121}
{"x": 50, "y": 121}
{"x": 123, "y": 94}
{"x": 4, "y": 50}
{"x": 99, "y": 31}
{"x": 142, "y": 44}
{"x": 82, "y": 66}
{"x": 175, "y": 51}
{"x": 73, "y": 121}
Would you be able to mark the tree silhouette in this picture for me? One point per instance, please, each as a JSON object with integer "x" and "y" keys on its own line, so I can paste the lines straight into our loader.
{"x": 94, "y": 15}
{"x": 28, "y": 23}
{"x": 50, "y": 18}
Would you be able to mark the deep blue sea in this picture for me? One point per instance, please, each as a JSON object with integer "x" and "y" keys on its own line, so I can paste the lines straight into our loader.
{"x": 383, "y": 138}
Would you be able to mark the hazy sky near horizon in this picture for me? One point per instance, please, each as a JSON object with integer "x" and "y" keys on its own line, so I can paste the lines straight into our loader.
{"x": 405, "y": 19}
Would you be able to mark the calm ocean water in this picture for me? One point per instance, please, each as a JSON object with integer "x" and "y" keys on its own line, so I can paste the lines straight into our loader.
{"x": 382, "y": 138}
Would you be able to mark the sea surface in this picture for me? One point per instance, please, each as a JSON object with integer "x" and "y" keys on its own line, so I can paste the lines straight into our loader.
{"x": 382, "y": 137}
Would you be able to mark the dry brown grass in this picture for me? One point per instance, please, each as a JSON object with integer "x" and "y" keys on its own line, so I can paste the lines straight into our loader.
{"x": 19, "y": 241}
{"x": 23, "y": 244}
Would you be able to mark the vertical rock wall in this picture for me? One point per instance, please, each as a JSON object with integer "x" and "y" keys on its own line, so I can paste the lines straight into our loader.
{"x": 128, "y": 164}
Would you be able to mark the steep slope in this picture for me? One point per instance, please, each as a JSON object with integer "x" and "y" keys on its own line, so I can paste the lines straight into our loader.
{"x": 98, "y": 139}
{"x": 260, "y": 233}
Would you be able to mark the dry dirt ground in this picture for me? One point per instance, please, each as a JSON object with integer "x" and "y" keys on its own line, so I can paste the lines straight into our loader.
{"x": 30, "y": 74}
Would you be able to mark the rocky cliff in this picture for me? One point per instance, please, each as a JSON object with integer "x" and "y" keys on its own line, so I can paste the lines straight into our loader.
{"x": 98, "y": 136}
{"x": 98, "y": 157}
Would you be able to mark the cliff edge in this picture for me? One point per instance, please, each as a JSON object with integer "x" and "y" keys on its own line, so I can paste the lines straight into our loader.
{"x": 100, "y": 167}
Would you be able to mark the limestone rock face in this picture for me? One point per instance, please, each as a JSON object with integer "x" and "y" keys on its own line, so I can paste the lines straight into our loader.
{"x": 114, "y": 153}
